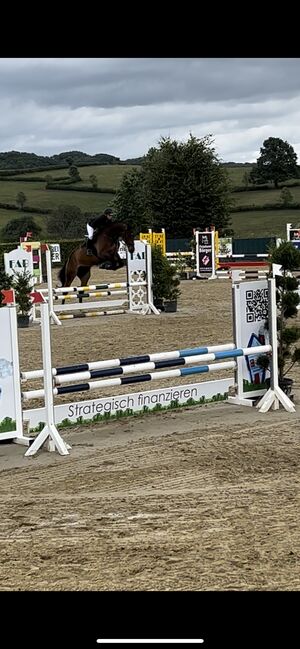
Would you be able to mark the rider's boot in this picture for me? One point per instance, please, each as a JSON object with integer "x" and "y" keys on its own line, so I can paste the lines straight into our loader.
{"x": 89, "y": 247}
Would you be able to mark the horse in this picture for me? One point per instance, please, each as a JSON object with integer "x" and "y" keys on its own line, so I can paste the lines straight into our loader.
{"x": 106, "y": 245}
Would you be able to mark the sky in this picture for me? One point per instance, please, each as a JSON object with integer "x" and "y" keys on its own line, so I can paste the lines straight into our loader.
{"x": 123, "y": 106}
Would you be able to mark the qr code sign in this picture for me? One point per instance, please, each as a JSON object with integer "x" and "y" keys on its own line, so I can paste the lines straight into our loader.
{"x": 256, "y": 305}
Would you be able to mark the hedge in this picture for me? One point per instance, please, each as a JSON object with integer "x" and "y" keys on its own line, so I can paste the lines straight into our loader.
{"x": 26, "y": 208}
{"x": 265, "y": 207}
{"x": 30, "y": 179}
{"x": 84, "y": 188}
{"x": 66, "y": 247}
{"x": 257, "y": 188}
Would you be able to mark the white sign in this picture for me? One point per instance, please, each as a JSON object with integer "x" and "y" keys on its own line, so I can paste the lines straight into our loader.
{"x": 18, "y": 261}
{"x": 55, "y": 252}
{"x": 135, "y": 402}
{"x": 137, "y": 259}
{"x": 251, "y": 308}
{"x": 10, "y": 399}
{"x": 122, "y": 250}
{"x": 225, "y": 247}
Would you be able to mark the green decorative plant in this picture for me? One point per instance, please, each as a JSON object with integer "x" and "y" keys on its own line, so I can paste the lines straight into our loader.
{"x": 287, "y": 300}
{"x": 165, "y": 282}
{"x": 22, "y": 284}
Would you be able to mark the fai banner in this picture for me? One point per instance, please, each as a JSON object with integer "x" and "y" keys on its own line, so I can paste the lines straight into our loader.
{"x": 205, "y": 242}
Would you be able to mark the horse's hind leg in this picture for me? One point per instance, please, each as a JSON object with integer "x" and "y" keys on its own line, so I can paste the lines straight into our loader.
{"x": 84, "y": 273}
{"x": 70, "y": 272}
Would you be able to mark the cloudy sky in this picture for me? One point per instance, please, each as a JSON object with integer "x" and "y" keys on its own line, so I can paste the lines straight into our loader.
{"x": 123, "y": 106}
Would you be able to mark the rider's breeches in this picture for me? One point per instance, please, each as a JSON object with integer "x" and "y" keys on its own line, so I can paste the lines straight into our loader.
{"x": 90, "y": 231}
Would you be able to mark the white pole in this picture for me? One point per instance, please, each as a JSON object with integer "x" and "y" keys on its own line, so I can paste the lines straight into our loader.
{"x": 275, "y": 395}
{"x": 213, "y": 256}
{"x": 150, "y": 303}
{"x": 49, "y": 431}
{"x": 53, "y": 315}
{"x": 197, "y": 253}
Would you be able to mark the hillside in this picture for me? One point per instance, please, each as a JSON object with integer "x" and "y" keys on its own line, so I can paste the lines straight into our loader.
{"x": 257, "y": 222}
{"x": 19, "y": 160}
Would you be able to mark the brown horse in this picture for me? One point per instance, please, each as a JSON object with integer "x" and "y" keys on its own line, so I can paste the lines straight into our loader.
{"x": 106, "y": 245}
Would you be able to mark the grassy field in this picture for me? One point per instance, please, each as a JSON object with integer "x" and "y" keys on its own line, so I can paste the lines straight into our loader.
{"x": 38, "y": 196}
{"x": 236, "y": 174}
{"x": 107, "y": 175}
{"x": 245, "y": 224}
{"x": 262, "y": 197}
{"x": 263, "y": 224}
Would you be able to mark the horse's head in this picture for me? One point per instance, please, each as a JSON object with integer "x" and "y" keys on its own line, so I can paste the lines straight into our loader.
{"x": 128, "y": 237}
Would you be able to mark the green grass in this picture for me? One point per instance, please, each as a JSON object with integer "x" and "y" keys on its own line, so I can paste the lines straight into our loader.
{"x": 38, "y": 196}
{"x": 107, "y": 175}
{"x": 263, "y": 223}
{"x": 245, "y": 224}
{"x": 262, "y": 197}
{"x": 236, "y": 174}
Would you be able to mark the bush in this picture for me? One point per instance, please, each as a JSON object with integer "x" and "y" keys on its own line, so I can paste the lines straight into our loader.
{"x": 66, "y": 221}
{"x": 287, "y": 301}
{"x": 22, "y": 284}
{"x": 17, "y": 228}
{"x": 165, "y": 282}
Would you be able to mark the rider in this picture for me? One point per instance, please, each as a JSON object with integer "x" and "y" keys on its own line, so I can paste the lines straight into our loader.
{"x": 96, "y": 225}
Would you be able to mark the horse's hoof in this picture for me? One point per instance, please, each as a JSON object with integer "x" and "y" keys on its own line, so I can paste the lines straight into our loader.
{"x": 107, "y": 265}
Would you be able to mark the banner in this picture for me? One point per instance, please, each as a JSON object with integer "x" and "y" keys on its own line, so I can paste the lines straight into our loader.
{"x": 205, "y": 257}
{"x": 10, "y": 398}
{"x": 250, "y": 304}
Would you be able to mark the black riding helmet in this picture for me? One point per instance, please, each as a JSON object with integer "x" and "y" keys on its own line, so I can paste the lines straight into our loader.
{"x": 108, "y": 211}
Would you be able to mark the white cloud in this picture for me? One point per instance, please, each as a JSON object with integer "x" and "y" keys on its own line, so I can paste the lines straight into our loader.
{"x": 123, "y": 106}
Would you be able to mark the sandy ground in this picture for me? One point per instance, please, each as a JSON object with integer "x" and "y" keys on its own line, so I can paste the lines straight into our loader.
{"x": 205, "y": 498}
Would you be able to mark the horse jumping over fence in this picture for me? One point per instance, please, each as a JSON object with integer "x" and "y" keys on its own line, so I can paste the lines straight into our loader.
{"x": 106, "y": 245}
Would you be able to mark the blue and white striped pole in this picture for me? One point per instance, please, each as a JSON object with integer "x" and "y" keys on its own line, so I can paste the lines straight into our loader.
{"x": 129, "y": 360}
{"x": 142, "y": 367}
{"x": 126, "y": 380}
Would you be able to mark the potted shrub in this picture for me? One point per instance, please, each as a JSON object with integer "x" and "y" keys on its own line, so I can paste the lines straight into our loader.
{"x": 165, "y": 282}
{"x": 287, "y": 299}
{"x": 22, "y": 284}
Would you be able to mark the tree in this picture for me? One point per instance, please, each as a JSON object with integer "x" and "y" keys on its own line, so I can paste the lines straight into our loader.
{"x": 93, "y": 180}
{"x": 67, "y": 222}
{"x": 180, "y": 186}
{"x": 286, "y": 196}
{"x": 21, "y": 200}
{"x": 277, "y": 162}
{"x": 74, "y": 173}
{"x": 17, "y": 228}
{"x": 129, "y": 203}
